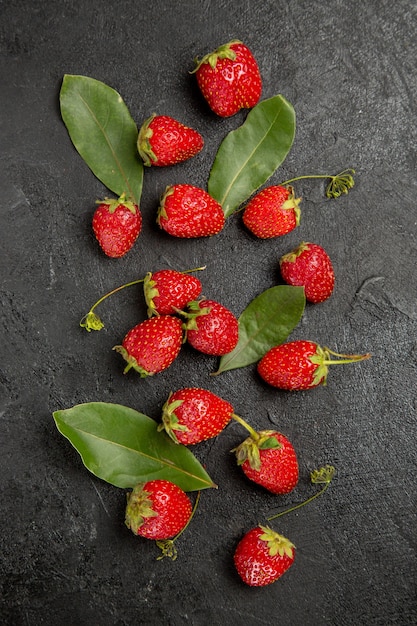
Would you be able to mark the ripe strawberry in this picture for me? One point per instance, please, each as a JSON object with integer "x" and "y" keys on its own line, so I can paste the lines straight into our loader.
{"x": 269, "y": 460}
{"x": 157, "y": 509}
{"x": 187, "y": 211}
{"x": 164, "y": 141}
{"x": 211, "y": 328}
{"x": 309, "y": 266}
{"x": 229, "y": 79}
{"x": 168, "y": 290}
{"x": 152, "y": 345}
{"x": 191, "y": 415}
{"x": 116, "y": 225}
{"x": 263, "y": 556}
{"x": 300, "y": 364}
{"x": 273, "y": 212}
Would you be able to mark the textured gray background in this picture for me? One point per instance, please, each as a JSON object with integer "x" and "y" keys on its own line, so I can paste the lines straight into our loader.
{"x": 349, "y": 69}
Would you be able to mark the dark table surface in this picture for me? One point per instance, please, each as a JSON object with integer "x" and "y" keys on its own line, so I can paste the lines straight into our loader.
{"x": 349, "y": 69}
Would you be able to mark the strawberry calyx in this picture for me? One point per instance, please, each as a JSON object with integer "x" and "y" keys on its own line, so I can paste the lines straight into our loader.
{"x": 249, "y": 449}
{"x": 139, "y": 507}
{"x": 292, "y": 256}
{"x": 224, "y": 51}
{"x": 292, "y": 204}
{"x": 169, "y": 190}
{"x": 131, "y": 362}
{"x": 322, "y": 359}
{"x": 150, "y": 292}
{"x": 143, "y": 143}
{"x": 193, "y": 312}
{"x": 277, "y": 544}
{"x": 170, "y": 421}
{"x": 114, "y": 203}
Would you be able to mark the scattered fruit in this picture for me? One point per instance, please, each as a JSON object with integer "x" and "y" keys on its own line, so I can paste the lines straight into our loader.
{"x": 187, "y": 211}
{"x": 116, "y": 224}
{"x": 192, "y": 415}
{"x": 157, "y": 509}
{"x": 168, "y": 291}
{"x": 211, "y": 328}
{"x": 262, "y": 556}
{"x": 309, "y": 266}
{"x": 152, "y": 345}
{"x": 273, "y": 212}
{"x": 164, "y": 141}
{"x": 301, "y": 364}
{"x": 229, "y": 78}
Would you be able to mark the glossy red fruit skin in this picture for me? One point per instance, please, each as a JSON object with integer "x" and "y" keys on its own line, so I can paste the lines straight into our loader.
{"x": 164, "y": 141}
{"x": 278, "y": 472}
{"x": 309, "y": 266}
{"x": 288, "y": 366}
{"x": 187, "y": 211}
{"x": 152, "y": 345}
{"x": 217, "y": 332}
{"x": 229, "y": 84}
{"x": 166, "y": 291}
{"x": 201, "y": 412}
{"x": 170, "y": 505}
{"x": 116, "y": 226}
{"x": 253, "y": 561}
{"x": 272, "y": 212}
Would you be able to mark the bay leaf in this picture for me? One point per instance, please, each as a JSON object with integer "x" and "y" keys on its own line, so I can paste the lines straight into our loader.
{"x": 266, "y": 322}
{"x": 103, "y": 132}
{"x": 250, "y": 154}
{"x": 123, "y": 447}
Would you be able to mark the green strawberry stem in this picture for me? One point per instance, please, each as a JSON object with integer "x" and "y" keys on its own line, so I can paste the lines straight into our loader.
{"x": 167, "y": 546}
{"x": 339, "y": 183}
{"x": 255, "y": 436}
{"x": 91, "y": 321}
{"x": 324, "y": 475}
{"x": 342, "y": 358}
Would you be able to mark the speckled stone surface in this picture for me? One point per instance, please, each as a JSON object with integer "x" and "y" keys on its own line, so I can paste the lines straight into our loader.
{"x": 66, "y": 557}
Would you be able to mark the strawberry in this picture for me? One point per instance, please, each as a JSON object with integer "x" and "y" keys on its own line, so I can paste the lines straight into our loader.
{"x": 187, "y": 211}
{"x": 268, "y": 459}
{"x": 262, "y": 556}
{"x": 164, "y": 141}
{"x": 157, "y": 509}
{"x": 273, "y": 212}
{"x": 166, "y": 291}
{"x": 191, "y": 415}
{"x": 152, "y": 345}
{"x": 229, "y": 79}
{"x": 300, "y": 364}
{"x": 309, "y": 266}
{"x": 116, "y": 225}
{"x": 211, "y": 328}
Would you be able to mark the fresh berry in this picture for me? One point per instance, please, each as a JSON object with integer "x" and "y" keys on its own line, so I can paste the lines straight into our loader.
{"x": 269, "y": 460}
{"x": 211, "y": 328}
{"x": 164, "y": 141}
{"x": 116, "y": 225}
{"x": 300, "y": 364}
{"x": 273, "y": 212}
{"x": 191, "y": 415}
{"x": 309, "y": 266}
{"x": 229, "y": 79}
{"x": 152, "y": 345}
{"x": 187, "y": 211}
{"x": 168, "y": 291}
{"x": 263, "y": 556}
{"x": 157, "y": 509}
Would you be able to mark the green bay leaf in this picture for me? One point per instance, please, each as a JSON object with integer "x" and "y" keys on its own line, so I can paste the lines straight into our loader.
{"x": 266, "y": 322}
{"x": 123, "y": 447}
{"x": 103, "y": 132}
{"x": 250, "y": 154}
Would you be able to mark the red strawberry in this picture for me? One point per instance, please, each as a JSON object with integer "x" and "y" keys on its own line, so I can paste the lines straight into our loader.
{"x": 273, "y": 212}
{"x": 168, "y": 290}
{"x": 263, "y": 556}
{"x": 229, "y": 79}
{"x": 187, "y": 211}
{"x": 309, "y": 266}
{"x": 300, "y": 364}
{"x": 152, "y": 345}
{"x": 211, "y": 328}
{"x": 164, "y": 141}
{"x": 191, "y": 415}
{"x": 269, "y": 460}
{"x": 116, "y": 225}
{"x": 157, "y": 509}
